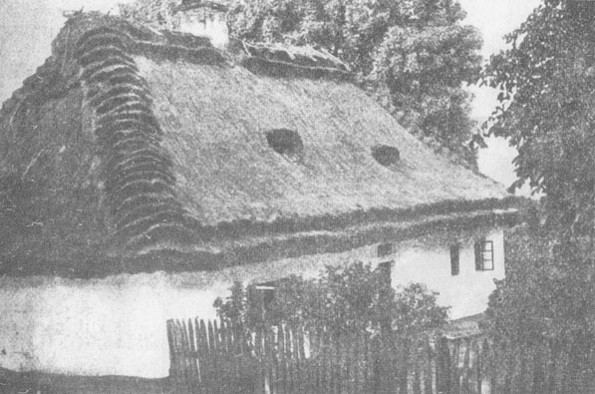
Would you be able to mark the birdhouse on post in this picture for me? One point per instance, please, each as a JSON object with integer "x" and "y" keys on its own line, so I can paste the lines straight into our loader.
{"x": 205, "y": 18}
{"x": 582, "y": 9}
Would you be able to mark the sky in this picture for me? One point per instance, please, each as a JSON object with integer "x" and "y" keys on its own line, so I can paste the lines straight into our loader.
{"x": 27, "y": 28}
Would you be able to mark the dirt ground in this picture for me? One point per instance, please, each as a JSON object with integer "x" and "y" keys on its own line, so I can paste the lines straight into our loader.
{"x": 39, "y": 383}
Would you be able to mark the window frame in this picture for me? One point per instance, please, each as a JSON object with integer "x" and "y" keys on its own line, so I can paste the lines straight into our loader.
{"x": 385, "y": 250}
{"x": 484, "y": 255}
{"x": 455, "y": 259}
{"x": 267, "y": 290}
{"x": 387, "y": 267}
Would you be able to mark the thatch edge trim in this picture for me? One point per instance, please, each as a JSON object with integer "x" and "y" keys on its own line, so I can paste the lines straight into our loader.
{"x": 324, "y": 242}
{"x": 339, "y": 222}
{"x": 281, "y": 69}
{"x": 166, "y": 257}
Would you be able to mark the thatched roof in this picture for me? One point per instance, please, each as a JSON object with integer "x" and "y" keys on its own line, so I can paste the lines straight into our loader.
{"x": 136, "y": 150}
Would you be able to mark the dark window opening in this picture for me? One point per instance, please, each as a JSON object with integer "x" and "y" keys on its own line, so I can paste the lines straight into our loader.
{"x": 286, "y": 142}
{"x": 385, "y": 250}
{"x": 386, "y": 155}
{"x": 484, "y": 255}
{"x": 267, "y": 294}
{"x": 385, "y": 269}
{"x": 455, "y": 262}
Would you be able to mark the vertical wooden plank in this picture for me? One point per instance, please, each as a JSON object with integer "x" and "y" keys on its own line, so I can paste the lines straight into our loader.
{"x": 405, "y": 365}
{"x": 185, "y": 353}
{"x": 326, "y": 364}
{"x": 456, "y": 369}
{"x": 180, "y": 381}
{"x": 194, "y": 349}
{"x": 314, "y": 361}
{"x": 262, "y": 380}
{"x": 492, "y": 353}
{"x": 299, "y": 362}
{"x": 416, "y": 367}
{"x": 443, "y": 370}
{"x": 466, "y": 369}
{"x": 429, "y": 372}
{"x": 478, "y": 366}
{"x": 290, "y": 370}
{"x": 239, "y": 356}
{"x": 351, "y": 352}
{"x": 204, "y": 356}
{"x": 214, "y": 362}
{"x": 358, "y": 358}
{"x": 172, "y": 352}
{"x": 226, "y": 385}
{"x": 272, "y": 360}
{"x": 336, "y": 363}
{"x": 200, "y": 356}
{"x": 192, "y": 355}
{"x": 367, "y": 365}
{"x": 306, "y": 366}
{"x": 234, "y": 357}
{"x": 282, "y": 357}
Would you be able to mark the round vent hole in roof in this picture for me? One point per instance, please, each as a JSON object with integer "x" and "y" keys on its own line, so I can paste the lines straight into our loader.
{"x": 285, "y": 142}
{"x": 386, "y": 155}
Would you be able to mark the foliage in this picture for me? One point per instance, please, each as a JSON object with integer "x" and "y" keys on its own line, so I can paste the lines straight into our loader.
{"x": 412, "y": 55}
{"x": 158, "y": 13}
{"x": 547, "y": 86}
{"x": 542, "y": 299}
{"x": 348, "y": 299}
{"x": 545, "y": 302}
{"x": 546, "y": 81}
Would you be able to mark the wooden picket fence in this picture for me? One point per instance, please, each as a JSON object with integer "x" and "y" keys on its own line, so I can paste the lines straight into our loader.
{"x": 212, "y": 357}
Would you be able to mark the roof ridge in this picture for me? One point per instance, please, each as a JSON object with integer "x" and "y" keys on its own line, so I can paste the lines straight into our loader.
{"x": 173, "y": 45}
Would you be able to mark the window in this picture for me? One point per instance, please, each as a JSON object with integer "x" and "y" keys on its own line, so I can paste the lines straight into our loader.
{"x": 455, "y": 262}
{"x": 285, "y": 142}
{"x": 385, "y": 268}
{"x": 385, "y": 250}
{"x": 267, "y": 292}
{"x": 484, "y": 255}
{"x": 386, "y": 155}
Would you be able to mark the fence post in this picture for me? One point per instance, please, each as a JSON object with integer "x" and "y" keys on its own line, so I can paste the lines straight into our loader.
{"x": 443, "y": 367}
{"x": 429, "y": 374}
{"x": 404, "y": 370}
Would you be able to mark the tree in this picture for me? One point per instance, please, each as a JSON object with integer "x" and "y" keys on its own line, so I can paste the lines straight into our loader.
{"x": 547, "y": 82}
{"x": 350, "y": 299}
{"x": 414, "y": 56}
{"x": 547, "y": 86}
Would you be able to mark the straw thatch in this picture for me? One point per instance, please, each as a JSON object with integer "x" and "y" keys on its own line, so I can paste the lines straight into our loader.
{"x": 136, "y": 150}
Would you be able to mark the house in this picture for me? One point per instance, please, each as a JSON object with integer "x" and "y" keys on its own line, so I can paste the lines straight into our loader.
{"x": 143, "y": 172}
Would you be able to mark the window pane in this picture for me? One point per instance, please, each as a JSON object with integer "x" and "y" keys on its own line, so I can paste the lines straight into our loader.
{"x": 488, "y": 245}
{"x": 385, "y": 250}
{"x": 488, "y": 265}
{"x": 455, "y": 263}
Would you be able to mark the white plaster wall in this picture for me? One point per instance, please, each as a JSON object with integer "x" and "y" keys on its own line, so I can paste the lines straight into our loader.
{"x": 116, "y": 325}
{"x": 429, "y": 262}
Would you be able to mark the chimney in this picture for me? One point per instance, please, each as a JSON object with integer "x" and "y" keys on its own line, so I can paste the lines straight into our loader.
{"x": 205, "y": 18}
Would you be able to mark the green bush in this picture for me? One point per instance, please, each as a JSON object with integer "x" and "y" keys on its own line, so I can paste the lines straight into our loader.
{"x": 347, "y": 299}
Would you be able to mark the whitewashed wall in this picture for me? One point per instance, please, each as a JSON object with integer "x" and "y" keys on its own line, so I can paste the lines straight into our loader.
{"x": 429, "y": 263}
{"x": 116, "y": 325}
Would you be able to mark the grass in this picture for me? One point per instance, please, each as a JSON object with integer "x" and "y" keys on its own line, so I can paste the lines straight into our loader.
{"x": 42, "y": 383}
